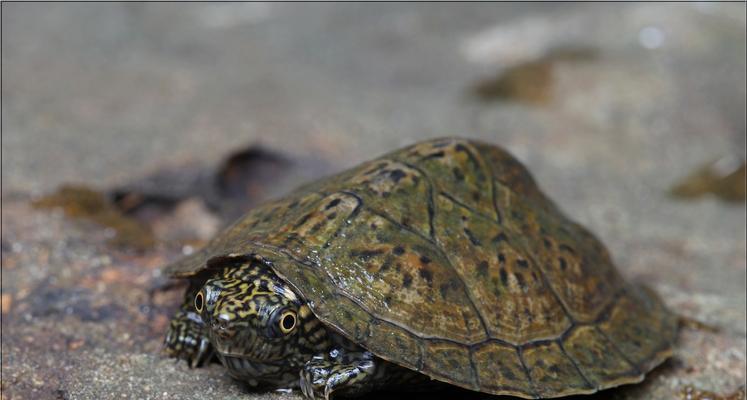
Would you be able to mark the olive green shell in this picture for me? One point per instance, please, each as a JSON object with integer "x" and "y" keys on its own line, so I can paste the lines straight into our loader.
{"x": 446, "y": 258}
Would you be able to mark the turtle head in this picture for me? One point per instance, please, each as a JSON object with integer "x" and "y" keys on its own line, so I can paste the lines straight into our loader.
{"x": 254, "y": 321}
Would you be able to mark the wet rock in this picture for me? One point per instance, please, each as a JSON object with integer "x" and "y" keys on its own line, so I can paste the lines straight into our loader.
{"x": 240, "y": 181}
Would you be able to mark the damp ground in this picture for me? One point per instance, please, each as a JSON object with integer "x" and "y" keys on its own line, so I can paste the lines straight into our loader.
{"x": 133, "y": 132}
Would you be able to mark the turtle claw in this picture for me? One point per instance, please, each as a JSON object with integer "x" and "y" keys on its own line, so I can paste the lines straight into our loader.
{"x": 306, "y": 389}
{"x": 186, "y": 340}
{"x": 314, "y": 379}
{"x": 345, "y": 373}
{"x": 203, "y": 354}
{"x": 327, "y": 391}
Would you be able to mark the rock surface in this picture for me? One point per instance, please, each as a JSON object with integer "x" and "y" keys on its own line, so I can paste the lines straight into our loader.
{"x": 107, "y": 94}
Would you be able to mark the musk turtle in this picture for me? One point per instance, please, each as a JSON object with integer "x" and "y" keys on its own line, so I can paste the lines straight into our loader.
{"x": 441, "y": 262}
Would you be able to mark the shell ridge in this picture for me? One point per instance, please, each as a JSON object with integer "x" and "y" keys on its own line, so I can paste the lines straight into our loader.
{"x": 443, "y": 254}
{"x": 664, "y": 350}
{"x": 223, "y": 243}
{"x": 353, "y": 215}
{"x": 494, "y": 199}
{"x": 610, "y": 301}
{"x": 535, "y": 265}
{"x": 434, "y": 240}
{"x": 603, "y": 315}
{"x": 491, "y": 179}
{"x": 617, "y": 350}
{"x": 472, "y": 368}
{"x": 573, "y": 361}
{"x": 431, "y": 204}
{"x": 532, "y": 384}
{"x": 550, "y": 288}
{"x": 460, "y": 204}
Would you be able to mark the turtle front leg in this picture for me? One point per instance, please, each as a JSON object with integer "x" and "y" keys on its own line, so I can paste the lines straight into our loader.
{"x": 356, "y": 372}
{"x": 186, "y": 338}
{"x": 341, "y": 372}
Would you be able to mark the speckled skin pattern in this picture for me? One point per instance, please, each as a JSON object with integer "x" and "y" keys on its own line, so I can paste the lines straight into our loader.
{"x": 187, "y": 337}
{"x": 445, "y": 258}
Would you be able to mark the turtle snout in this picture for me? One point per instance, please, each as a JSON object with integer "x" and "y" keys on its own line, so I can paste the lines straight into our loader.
{"x": 221, "y": 326}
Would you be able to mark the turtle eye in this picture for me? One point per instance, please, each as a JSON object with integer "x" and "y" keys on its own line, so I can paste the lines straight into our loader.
{"x": 287, "y": 322}
{"x": 199, "y": 301}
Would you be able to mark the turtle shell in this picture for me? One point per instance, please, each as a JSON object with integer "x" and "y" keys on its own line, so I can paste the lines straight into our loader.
{"x": 446, "y": 258}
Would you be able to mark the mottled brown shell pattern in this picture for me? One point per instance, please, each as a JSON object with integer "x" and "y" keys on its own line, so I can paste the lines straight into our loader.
{"x": 446, "y": 258}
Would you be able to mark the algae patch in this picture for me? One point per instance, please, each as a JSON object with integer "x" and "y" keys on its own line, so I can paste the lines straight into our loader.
{"x": 530, "y": 82}
{"x": 723, "y": 178}
{"x": 82, "y": 202}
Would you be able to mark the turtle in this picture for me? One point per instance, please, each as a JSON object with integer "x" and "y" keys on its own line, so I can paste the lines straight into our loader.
{"x": 440, "y": 264}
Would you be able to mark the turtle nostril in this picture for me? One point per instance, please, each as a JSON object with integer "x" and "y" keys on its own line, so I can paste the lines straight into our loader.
{"x": 220, "y": 325}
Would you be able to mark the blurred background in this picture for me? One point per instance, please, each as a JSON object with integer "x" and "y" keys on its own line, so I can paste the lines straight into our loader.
{"x": 131, "y": 132}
